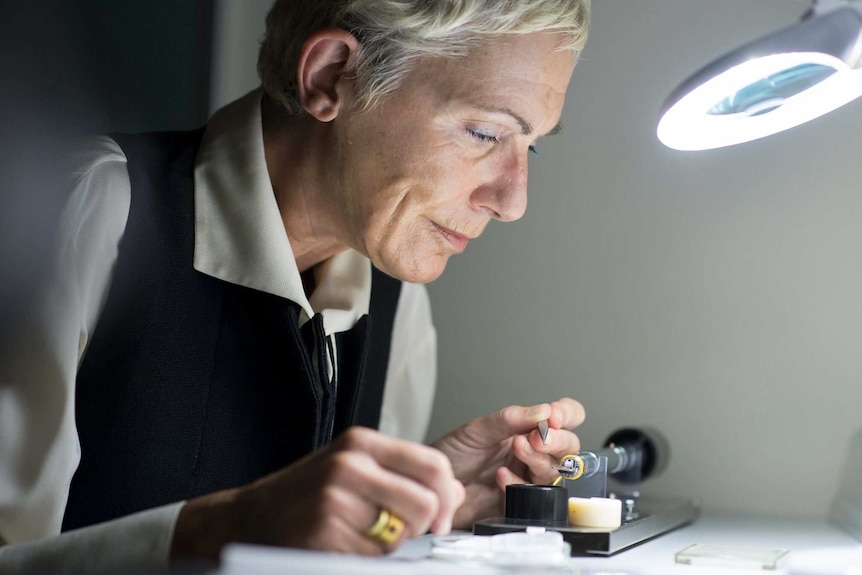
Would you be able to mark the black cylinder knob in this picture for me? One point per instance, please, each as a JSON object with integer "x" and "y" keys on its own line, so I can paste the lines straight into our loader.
{"x": 537, "y": 504}
{"x": 647, "y": 449}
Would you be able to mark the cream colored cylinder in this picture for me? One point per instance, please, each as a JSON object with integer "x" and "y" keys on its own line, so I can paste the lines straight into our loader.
{"x": 595, "y": 512}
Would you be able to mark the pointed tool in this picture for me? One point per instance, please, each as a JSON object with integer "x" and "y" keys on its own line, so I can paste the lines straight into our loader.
{"x": 543, "y": 430}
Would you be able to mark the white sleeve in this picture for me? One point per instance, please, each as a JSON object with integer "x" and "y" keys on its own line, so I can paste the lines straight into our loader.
{"x": 39, "y": 447}
{"x": 139, "y": 540}
{"x": 411, "y": 376}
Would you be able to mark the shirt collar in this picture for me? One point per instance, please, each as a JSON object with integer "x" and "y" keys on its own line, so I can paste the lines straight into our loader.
{"x": 239, "y": 234}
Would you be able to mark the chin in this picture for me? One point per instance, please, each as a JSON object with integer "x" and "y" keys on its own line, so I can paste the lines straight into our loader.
{"x": 418, "y": 271}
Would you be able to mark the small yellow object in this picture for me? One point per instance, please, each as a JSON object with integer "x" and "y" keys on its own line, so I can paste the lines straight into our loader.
{"x": 574, "y": 464}
{"x": 387, "y": 529}
{"x": 595, "y": 512}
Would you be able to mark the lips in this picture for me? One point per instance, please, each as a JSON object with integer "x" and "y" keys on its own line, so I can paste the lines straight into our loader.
{"x": 456, "y": 240}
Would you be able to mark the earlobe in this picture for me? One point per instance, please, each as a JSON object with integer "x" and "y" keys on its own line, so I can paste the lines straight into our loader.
{"x": 325, "y": 62}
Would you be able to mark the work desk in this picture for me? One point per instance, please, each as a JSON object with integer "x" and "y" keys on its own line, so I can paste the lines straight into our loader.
{"x": 815, "y": 547}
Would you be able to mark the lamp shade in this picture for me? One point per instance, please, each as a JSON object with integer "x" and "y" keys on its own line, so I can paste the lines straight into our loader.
{"x": 769, "y": 85}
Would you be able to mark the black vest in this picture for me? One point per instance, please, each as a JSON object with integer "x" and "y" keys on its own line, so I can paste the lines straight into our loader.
{"x": 191, "y": 384}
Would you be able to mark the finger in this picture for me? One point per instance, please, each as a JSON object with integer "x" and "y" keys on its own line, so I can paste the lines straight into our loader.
{"x": 506, "y": 476}
{"x": 431, "y": 468}
{"x": 559, "y": 442}
{"x": 509, "y": 421}
{"x": 424, "y": 465}
{"x": 566, "y": 413}
{"x": 348, "y": 517}
{"x": 540, "y": 465}
{"x": 442, "y": 524}
{"x": 343, "y": 537}
{"x": 426, "y": 507}
{"x": 352, "y": 542}
{"x": 379, "y": 488}
{"x": 385, "y": 520}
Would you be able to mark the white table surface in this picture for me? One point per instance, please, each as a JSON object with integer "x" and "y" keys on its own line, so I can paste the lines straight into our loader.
{"x": 815, "y": 548}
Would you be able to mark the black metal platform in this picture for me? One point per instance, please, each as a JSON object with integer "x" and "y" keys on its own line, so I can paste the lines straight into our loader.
{"x": 656, "y": 517}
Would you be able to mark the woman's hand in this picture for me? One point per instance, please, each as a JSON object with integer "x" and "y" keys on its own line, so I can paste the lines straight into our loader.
{"x": 505, "y": 447}
{"x": 329, "y": 499}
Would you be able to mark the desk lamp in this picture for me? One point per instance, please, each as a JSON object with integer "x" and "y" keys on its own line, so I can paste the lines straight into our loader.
{"x": 771, "y": 84}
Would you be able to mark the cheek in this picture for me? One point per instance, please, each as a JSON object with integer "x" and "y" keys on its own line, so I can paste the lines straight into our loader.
{"x": 400, "y": 193}
{"x": 405, "y": 244}
{"x": 397, "y": 192}
{"x": 393, "y": 221}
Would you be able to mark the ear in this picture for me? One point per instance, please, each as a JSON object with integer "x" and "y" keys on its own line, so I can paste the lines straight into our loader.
{"x": 325, "y": 61}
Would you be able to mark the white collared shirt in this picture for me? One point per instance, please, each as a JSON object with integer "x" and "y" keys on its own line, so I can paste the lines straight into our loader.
{"x": 239, "y": 238}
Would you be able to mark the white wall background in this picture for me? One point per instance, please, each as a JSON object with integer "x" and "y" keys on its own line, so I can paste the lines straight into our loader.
{"x": 716, "y": 296}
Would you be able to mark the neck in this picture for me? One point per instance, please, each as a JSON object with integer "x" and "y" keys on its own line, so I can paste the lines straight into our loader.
{"x": 291, "y": 145}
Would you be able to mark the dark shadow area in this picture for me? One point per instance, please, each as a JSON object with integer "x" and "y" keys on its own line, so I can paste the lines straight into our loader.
{"x": 69, "y": 67}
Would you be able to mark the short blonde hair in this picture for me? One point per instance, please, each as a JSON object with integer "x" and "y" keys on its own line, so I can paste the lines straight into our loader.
{"x": 396, "y": 33}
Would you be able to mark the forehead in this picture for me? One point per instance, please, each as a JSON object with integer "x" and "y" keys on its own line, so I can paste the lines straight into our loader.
{"x": 526, "y": 71}
{"x": 535, "y": 57}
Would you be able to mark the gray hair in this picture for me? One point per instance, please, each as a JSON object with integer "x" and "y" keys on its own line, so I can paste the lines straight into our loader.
{"x": 394, "y": 34}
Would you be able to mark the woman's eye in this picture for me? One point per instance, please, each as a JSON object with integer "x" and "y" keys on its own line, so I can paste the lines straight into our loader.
{"x": 534, "y": 150}
{"x": 482, "y": 136}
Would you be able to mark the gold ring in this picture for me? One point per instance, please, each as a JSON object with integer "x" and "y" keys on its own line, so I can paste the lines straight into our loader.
{"x": 387, "y": 529}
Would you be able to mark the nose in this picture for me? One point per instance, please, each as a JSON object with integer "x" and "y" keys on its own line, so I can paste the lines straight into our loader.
{"x": 504, "y": 195}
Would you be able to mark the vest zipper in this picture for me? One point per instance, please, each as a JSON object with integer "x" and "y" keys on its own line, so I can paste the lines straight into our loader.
{"x": 332, "y": 370}
{"x": 326, "y": 366}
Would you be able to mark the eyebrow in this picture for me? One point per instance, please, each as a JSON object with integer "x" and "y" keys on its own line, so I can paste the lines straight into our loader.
{"x": 526, "y": 127}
